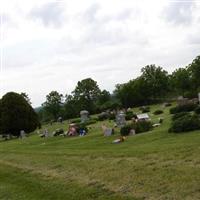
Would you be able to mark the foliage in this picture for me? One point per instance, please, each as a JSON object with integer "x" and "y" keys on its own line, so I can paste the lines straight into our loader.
{"x": 156, "y": 80}
{"x": 112, "y": 116}
{"x": 187, "y": 122}
{"x": 194, "y": 72}
{"x": 158, "y": 112}
{"x": 183, "y": 108}
{"x": 16, "y": 114}
{"x": 58, "y": 132}
{"x": 145, "y": 109}
{"x": 197, "y": 110}
{"x": 26, "y": 97}
{"x": 139, "y": 127}
{"x": 74, "y": 121}
{"x": 167, "y": 104}
{"x": 179, "y": 115}
{"x": 53, "y": 104}
{"x": 110, "y": 105}
{"x": 125, "y": 130}
{"x": 103, "y": 116}
{"x": 180, "y": 80}
{"x": 129, "y": 115}
{"x": 142, "y": 126}
{"x": 86, "y": 95}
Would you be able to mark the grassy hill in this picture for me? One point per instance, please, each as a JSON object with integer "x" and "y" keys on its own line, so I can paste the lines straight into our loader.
{"x": 151, "y": 165}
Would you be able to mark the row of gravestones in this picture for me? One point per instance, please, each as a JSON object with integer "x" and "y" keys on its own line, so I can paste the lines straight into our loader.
{"x": 120, "y": 117}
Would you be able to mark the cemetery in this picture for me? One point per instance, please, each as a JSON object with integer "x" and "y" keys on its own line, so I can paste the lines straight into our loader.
{"x": 128, "y": 141}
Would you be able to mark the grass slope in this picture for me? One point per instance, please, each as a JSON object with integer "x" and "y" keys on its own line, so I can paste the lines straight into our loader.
{"x": 153, "y": 165}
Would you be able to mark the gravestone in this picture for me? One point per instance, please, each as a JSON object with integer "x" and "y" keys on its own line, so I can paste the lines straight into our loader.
{"x": 84, "y": 116}
{"x": 108, "y": 132}
{"x": 120, "y": 119}
{"x": 22, "y": 134}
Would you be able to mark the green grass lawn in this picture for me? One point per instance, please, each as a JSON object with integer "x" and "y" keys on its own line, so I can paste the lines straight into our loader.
{"x": 153, "y": 165}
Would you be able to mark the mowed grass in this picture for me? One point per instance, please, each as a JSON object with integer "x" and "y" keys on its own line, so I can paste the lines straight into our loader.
{"x": 152, "y": 165}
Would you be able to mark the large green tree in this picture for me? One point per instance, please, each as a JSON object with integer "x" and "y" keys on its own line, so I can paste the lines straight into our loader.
{"x": 194, "y": 71}
{"x": 86, "y": 94}
{"x": 53, "y": 104}
{"x": 180, "y": 81}
{"x": 156, "y": 80}
{"x": 16, "y": 114}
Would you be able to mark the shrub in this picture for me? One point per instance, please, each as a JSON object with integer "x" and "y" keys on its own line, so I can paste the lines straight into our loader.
{"x": 58, "y": 132}
{"x": 185, "y": 123}
{"x": 75, "y": 121}
{"x": 103, "y": 116}
{"x": 129, "y": 115}
{"x": 142, "y": 126}
{"x": 16, "y": 114}
{"x": 139, "y": 127}
{"x": 145, "y": 109}
{"x": 91, "y": 121}
{"x": 183, "y": 108}
{"x": 111, "y": 116}
{"x": 168, "y": 104}
{"x": 197, "y": 110}
{"x": 178, "y": 115}
{"x": 158, "y": 112}
{"x": 125, "y": 130}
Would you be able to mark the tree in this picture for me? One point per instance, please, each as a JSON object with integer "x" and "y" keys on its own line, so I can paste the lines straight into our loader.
{"x": 70, "y": 108}
{"x": 133, "y": 93}
{"x": 103, "y": 97}
{"x": 156, "y": 79}
{"x": 16, "y": 114}
{"x": 180, "y": 80}
{"x": 86, "y": 94}
{"x": 194, "y": 70}
{"x": 26, "y": 97}
{"x": 53, "y": 104}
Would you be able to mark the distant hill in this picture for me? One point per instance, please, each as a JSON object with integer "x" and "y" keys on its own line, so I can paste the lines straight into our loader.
{"x": 37, "y": 109}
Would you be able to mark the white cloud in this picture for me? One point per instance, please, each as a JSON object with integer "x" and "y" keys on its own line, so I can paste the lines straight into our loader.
{"x": 50, "y": 45}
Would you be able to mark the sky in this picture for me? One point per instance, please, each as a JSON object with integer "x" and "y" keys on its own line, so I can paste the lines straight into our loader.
{"x": 51, "y": 45}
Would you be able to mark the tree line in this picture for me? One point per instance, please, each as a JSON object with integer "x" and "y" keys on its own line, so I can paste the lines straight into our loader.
{"x": 153, "y": 85}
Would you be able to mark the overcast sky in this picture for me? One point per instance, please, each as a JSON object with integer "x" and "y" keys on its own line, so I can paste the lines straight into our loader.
{"x": 50, "y": 45}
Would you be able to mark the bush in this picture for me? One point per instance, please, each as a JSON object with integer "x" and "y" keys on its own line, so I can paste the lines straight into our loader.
{"x": 91, "y": 121}
{"x": 145, "y": 109}
{"x": 129, "y": 115}
{"x": 185, "y": 123}
{"x": 125, "y": 130}
{"x": 158, "y": 112}
{"x": 168, "y": 104}
{"x": 178, "y": 115}
{"x": 142, "y": 126}
{"x": 16, "y": 114}
{"x": 197, "y": 110}
{"x": 58, "y": 132}
{"x": 111, "y": 116}
{"x": 183, "y": 108}
{"x": 103, "y": 116}
{"x": 75, "y": 121}
{"x": 139, "y": 127}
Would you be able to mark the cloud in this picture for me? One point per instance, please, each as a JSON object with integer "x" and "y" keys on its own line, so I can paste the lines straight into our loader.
{"x": 51, "y": 14}
{"x": 59, "y": 44}
{"x": 179, "y": 13}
